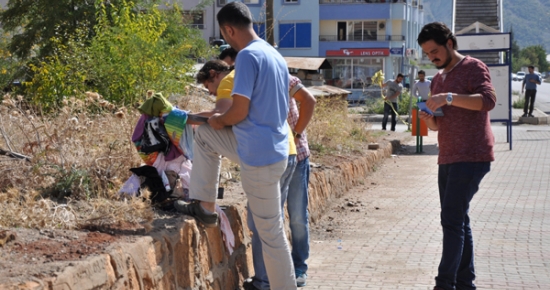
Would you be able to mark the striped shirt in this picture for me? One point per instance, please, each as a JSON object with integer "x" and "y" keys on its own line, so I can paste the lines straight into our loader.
{"x": 293, "y": 114}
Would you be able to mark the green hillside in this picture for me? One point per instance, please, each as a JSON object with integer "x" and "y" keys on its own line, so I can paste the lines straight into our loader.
{"x": 529, "y": 19}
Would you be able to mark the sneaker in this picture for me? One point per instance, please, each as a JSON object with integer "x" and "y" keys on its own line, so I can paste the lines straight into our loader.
{"x": 524, "y": 115}
{"x": 531, "y": 116}
{"x": 248, "y": 284}
{"x": 301, "y": 279}
{"x": 195, "y": 210}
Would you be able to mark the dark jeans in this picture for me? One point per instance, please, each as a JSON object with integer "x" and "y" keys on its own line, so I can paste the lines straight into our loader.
{"x": 388, "y": 110}
{"x": 529, "y": 101}
{"x": 458, "y": 182}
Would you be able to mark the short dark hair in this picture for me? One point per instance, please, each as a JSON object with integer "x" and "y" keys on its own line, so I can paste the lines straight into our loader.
{"x": 235, "y": 14}
{"x": 216, "y": 65}
{"x": 531, "y": 67}
{"x": 400, "y": 75}
{"x": 230, "y": 51}
{"x": 438, "y": 32}
{"x": 421, "y": 72}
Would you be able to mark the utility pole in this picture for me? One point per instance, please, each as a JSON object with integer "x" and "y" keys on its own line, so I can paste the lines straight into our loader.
{"x": 269, "y": 22}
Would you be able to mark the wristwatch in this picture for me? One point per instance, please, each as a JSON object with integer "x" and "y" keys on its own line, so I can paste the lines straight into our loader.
{"x": 449, "y": 99}
{"x": 296, "y": 135}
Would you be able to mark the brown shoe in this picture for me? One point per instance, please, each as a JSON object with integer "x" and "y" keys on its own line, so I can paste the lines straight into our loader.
{"x": 195, "y": 210}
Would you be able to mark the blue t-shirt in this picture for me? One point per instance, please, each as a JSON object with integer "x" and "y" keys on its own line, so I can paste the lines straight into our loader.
{"x": 261, "y": 75}
{"x": 529, "y": 85}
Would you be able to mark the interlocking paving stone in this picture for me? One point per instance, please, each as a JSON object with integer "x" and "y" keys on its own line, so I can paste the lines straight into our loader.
{"x": 398, "y": 245}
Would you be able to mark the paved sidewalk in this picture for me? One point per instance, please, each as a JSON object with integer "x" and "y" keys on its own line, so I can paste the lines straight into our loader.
{"x": 394, "y": 241}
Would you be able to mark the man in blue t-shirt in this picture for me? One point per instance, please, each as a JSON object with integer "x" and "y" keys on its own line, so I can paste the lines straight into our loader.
{"x": 530, "y": 83}
{"x": 254, "y": 133}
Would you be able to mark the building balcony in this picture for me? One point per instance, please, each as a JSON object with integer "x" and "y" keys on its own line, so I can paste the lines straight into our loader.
{"x": 363, "y": 38}
{"x": 359, "y": 1}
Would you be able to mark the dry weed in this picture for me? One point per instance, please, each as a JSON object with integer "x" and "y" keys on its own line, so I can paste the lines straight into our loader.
{"x": 64, "y": 170}
{"x": 331, "y": 129}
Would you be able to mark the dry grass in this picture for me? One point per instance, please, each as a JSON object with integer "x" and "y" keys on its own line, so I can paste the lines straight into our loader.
{"x": 75, "y": 161}
{"x": 331, "y": 131}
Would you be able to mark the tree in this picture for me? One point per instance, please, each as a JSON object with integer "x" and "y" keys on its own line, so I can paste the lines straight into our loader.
{"x": 35, "y": 22}
{"x": 536, "y": 55}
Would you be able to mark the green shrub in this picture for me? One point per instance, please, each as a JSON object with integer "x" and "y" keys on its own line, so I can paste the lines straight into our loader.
{"x": 519, "y": 104}
{"x": 403, "y": 104}
{"x": 130, "y": 54}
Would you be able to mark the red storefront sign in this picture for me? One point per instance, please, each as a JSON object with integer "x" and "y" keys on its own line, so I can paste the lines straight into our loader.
{"x": 359, "y": 52}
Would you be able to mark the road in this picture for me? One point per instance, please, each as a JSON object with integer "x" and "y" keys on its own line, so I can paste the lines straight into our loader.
{"x": 542, "y": 101}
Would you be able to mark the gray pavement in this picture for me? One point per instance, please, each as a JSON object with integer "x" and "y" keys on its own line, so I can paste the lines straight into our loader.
{"x": 394, "y": 240}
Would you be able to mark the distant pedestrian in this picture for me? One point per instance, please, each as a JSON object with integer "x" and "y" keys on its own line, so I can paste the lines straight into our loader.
{"x": 393, "y": 90}
{"x": 530, "y": 83}
{"x": 421, "y": 88}
{"x": 464, "y": 92}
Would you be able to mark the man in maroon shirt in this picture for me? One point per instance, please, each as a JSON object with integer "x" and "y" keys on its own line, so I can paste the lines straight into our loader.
{"x": 463, "y": 90}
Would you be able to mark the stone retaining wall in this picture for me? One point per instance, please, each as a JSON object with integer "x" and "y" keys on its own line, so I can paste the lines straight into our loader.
{"x": 182, "y": 255}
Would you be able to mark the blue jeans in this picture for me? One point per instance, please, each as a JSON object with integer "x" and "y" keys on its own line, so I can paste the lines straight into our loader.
{"x": 260, "y": 273}
{"x": 458, "y": 182}
{"x": 298, "y": 215}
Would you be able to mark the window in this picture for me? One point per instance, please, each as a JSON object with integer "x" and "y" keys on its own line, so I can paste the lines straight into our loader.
{"x": 222, "y": 2}
{"x": 353, "y": 73}
{"x": 251, "y": 1}
{"x": 290, "y": 1}
{"x": 362, "y": 30}
{"x": 295, "y": 35}
{"x": 194, "y": 18}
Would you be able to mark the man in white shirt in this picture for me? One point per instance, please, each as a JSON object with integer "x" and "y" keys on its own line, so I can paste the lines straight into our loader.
{"x": 421, "y": 88}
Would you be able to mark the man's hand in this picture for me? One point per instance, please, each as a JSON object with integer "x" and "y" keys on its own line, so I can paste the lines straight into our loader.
{"x": 214, "y": 122}
{"x": 436, "y": 101}
{"x": 424, "y": 116}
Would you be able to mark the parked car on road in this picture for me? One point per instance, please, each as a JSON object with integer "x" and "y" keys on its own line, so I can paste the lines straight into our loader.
{"x": 514, "y": 77}
{"x": 521, "y": 75}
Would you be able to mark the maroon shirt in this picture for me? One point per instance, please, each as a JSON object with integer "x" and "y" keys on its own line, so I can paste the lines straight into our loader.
{"x": 466, "y": 135}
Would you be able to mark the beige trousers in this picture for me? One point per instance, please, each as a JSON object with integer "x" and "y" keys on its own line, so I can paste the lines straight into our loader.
{"x": 261, "y": 185}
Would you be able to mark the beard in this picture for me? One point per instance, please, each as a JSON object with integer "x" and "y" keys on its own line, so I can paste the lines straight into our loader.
{"x": 447, "y": 60}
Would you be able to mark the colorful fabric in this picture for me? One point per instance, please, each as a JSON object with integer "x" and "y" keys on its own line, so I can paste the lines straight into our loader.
{"x": 175, "y": 125}
{"x": 156, "y": 105}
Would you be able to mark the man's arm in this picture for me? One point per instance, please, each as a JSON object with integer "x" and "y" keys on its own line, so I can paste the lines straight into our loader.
{"x": 235, "y": 114}
{"x": 471, "y": 102}
{"x": 307, "y": 107}
{"x": 222, "y": 105}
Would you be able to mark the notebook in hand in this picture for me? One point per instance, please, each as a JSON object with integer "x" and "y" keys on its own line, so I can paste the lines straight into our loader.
{"x": 422, "y": 107}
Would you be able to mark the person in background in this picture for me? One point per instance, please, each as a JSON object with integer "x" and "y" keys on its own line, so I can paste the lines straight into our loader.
{"x": 228, "y": 55}
{"x": 463, "y": 91}
{"x": 421, "y": 88}
{"x": 295, "y": 194}
{"x": 393, "y": 90}
{"x": 530, "y": 83}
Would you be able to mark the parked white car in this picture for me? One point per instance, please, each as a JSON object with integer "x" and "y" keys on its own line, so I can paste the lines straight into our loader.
{"x": 514, "y": 77}
{"x": 521, "y": 75}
